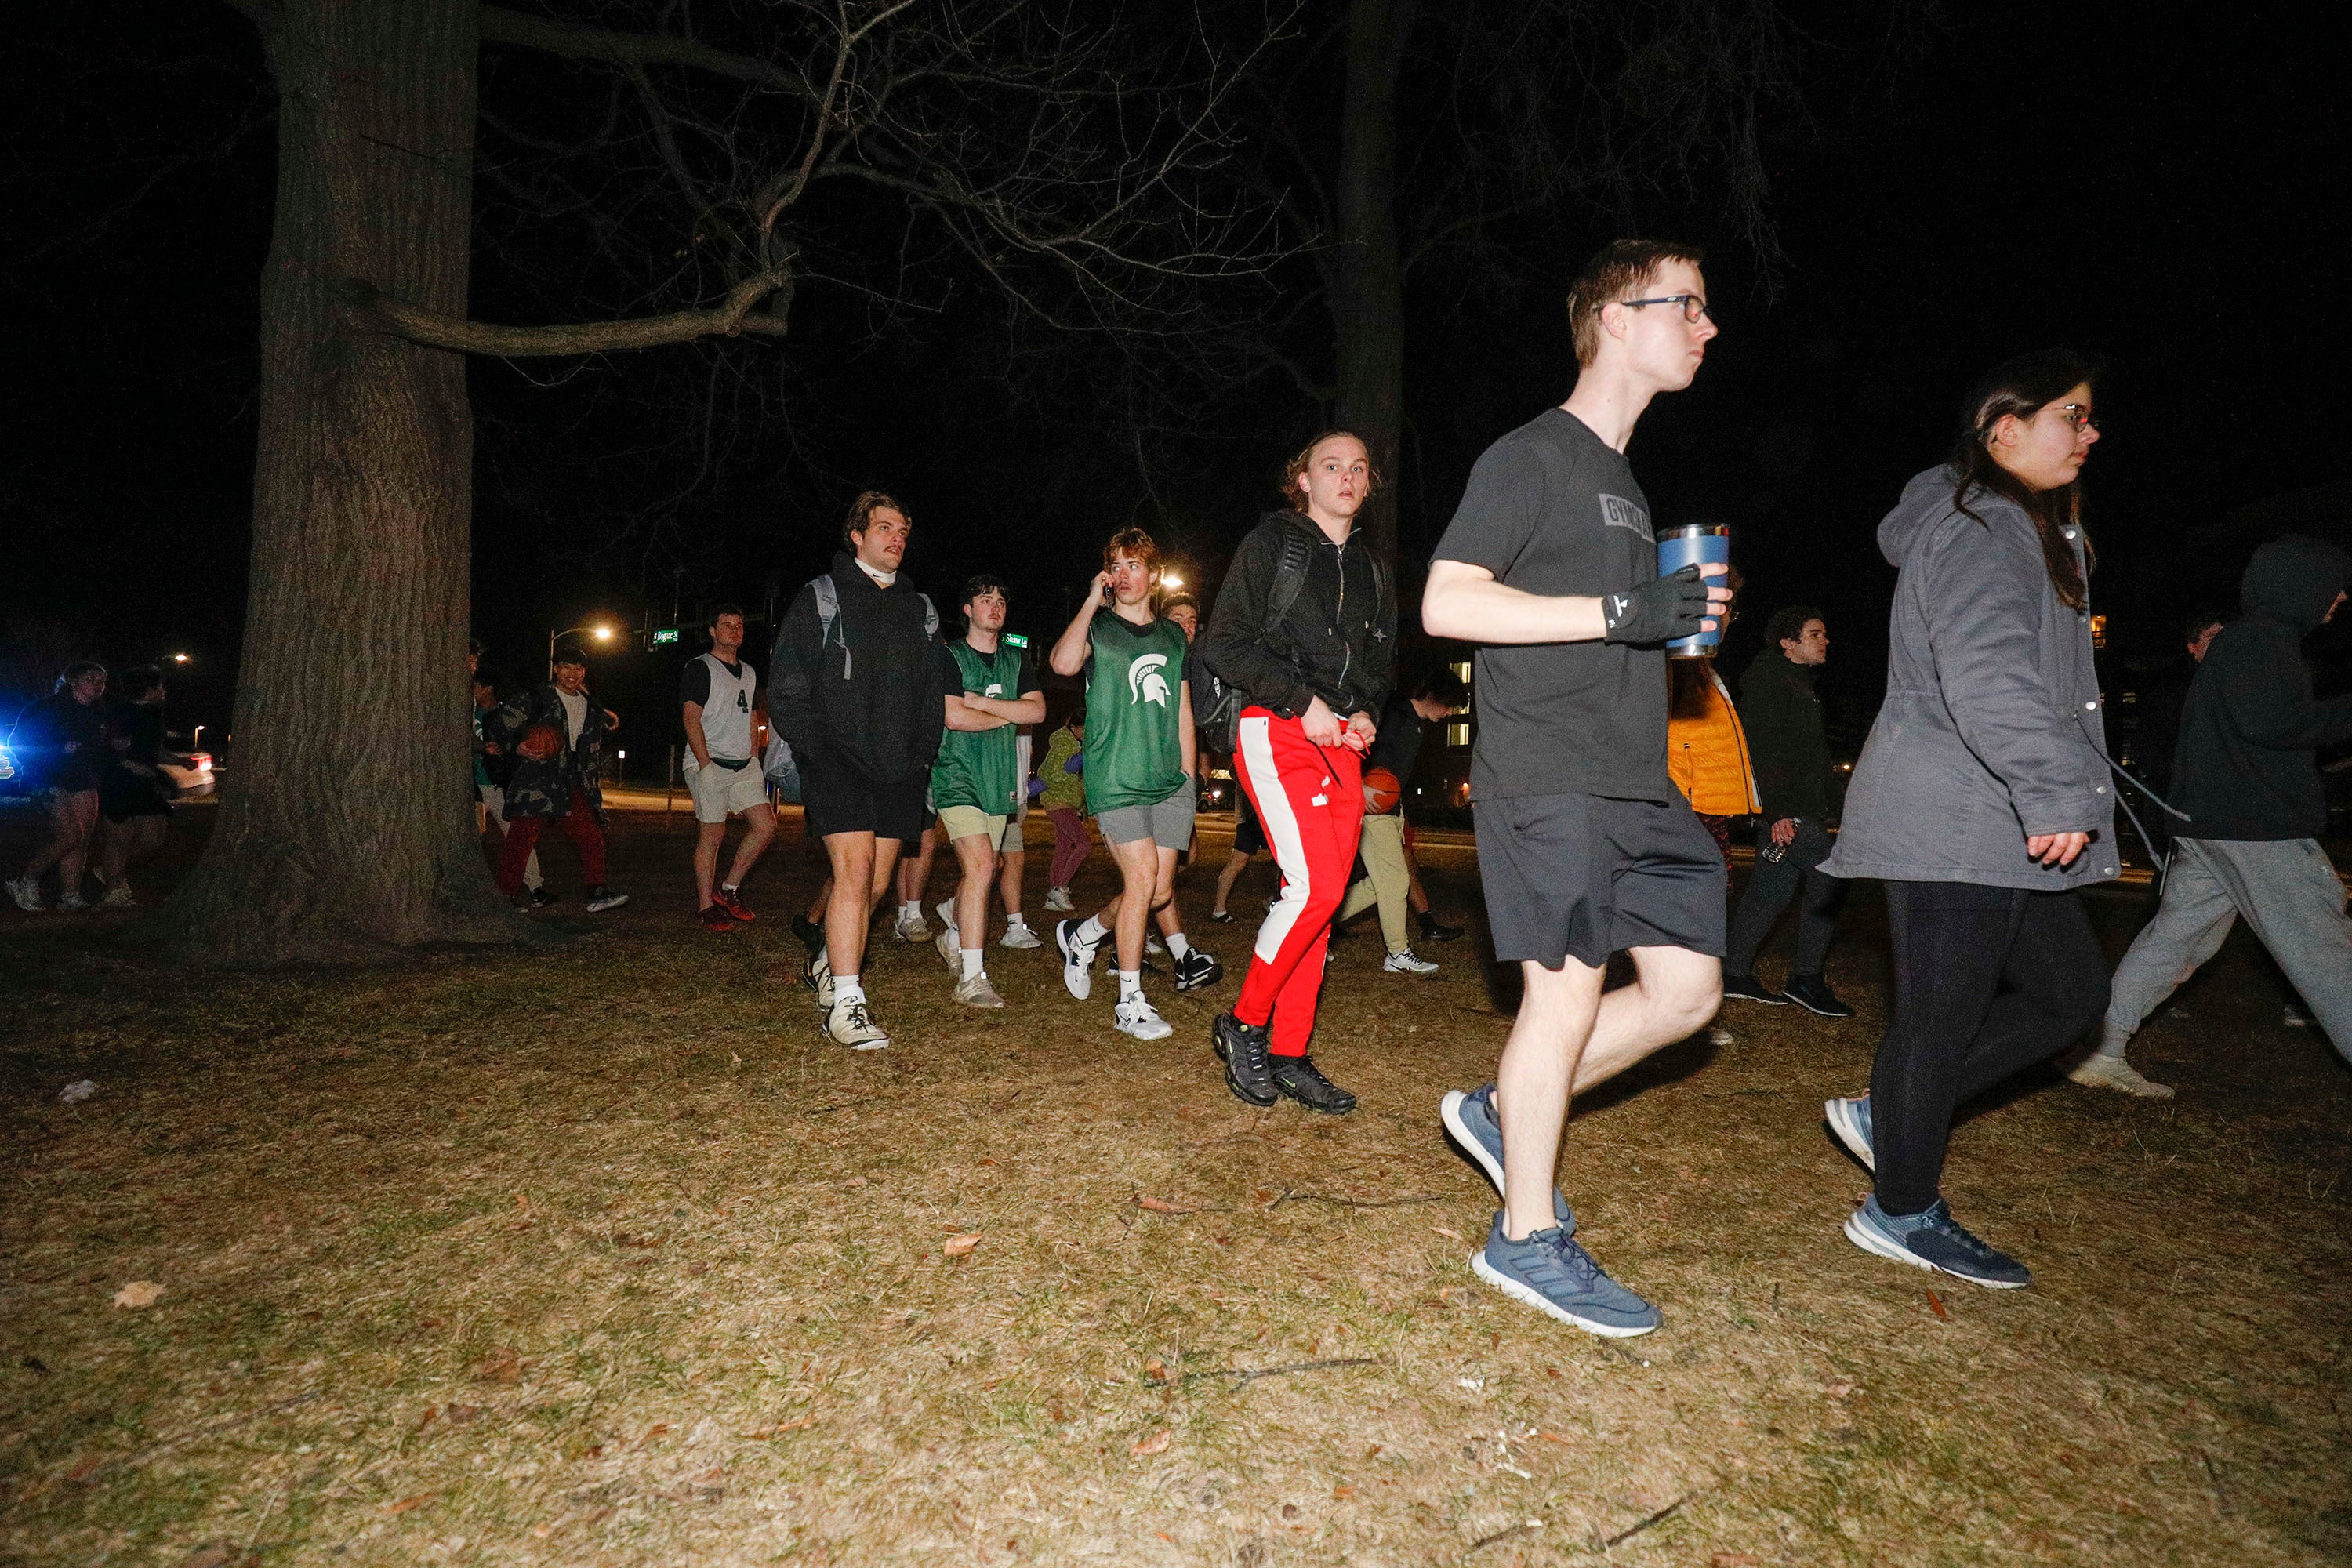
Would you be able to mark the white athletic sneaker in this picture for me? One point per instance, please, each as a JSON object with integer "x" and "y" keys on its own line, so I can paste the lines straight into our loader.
{"x": 818, "y": 973}
{"x": 955, "y": 935}
{"x": 910, "y": 926}
{"x": 1018, "y": 935}
{"x": 27, "y": 894}
{"x": 1139, "y": 1018}
{"x": 2114, "y": 1072}
{"x": 1057, "y": 900}
{"x": 1408, "y": 963}
{"x": 951, "y": 950}
{"x": 849, "y": 1024}
{"x": 1077, "y": 958}
{"x": 73, "y": 901}
{"x": 118, "y": 898}
{"x": 975, "y": 991}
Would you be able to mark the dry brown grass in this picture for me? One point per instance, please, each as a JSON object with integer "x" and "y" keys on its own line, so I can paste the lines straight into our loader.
{"x": 602, "y": 1256}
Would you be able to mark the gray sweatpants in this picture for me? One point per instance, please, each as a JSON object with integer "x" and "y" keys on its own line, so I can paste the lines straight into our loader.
{"x": 2289, "y": 894}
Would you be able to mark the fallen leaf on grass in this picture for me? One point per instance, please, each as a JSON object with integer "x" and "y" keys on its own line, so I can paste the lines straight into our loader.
{"x": 1556, "y": 1437}
{"x": 458, "y": 1415}
{"x": 542, "y": 1530}
{"x": 404, "y": 1504}
{"x": 957, "y": 1245}
{"x": 1155, "y": 1444}
{"x": 781, "y": 1427}
{"x": 1158, "y": 1205}
{"x": 1156, "y": 1369}
{"x": 652, "y": 1432}
{"x": 430, "y": 1412}
{"x": 502, "y": 1365}
{"x": 1447, "y": 1232}
{"x": 1343, "y": 1491}
{"x": 83, "y": 1471}
{"x": 1937, "y": 1302}
{"x": 138, "y": 1293}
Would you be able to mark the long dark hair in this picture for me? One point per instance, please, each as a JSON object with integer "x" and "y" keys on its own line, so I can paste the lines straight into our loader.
{"x": 2023, "y": 387}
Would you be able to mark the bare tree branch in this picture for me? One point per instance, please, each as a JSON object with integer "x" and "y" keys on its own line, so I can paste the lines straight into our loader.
{"x": 732, "y": 319}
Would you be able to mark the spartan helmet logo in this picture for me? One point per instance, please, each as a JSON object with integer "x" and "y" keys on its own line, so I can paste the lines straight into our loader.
{"x": 1144, "y": 681}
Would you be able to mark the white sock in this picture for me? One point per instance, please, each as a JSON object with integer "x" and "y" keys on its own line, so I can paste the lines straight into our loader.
{"x": 1178, "y": 947}
{"x": 912, "y": 907}
{"x": 731, "y": 887}
{"x": 972, "y": 957}
{"x": 1094, "y": 930}
{"x": 1130, "y": 984}
{"x": 846, "y": 989}
{"x": 1014, "y": 922}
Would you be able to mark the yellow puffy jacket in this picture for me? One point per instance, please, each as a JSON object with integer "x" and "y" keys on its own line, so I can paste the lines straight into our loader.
{"x": 1707, "y": 755}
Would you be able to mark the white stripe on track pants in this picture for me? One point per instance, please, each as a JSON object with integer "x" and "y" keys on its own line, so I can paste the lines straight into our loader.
{"x": 1311, "y": 802}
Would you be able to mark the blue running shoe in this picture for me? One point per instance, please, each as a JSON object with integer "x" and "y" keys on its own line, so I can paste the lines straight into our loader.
{"x": 1936, "y": 1241}
{"x": 1470, "y": 1121}
{"x": 1553, "y": 1273}
{"x": 1849, "y": 1120}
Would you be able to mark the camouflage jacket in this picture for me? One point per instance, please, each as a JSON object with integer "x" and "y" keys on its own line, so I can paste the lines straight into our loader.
{"x": 544, "y": 789}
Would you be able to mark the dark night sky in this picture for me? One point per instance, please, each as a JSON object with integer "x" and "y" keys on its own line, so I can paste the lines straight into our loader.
{"x": 2157, "y": 188}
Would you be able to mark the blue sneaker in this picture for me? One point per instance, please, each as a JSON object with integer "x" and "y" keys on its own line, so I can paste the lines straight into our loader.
{"x": 1935, "y": 1241}
{"x": 1849, "y": 1120}
{"x": 1470, "y": 1121}
{"x": 1553, "y": 1274}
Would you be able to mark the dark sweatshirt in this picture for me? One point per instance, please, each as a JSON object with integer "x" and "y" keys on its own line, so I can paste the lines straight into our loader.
{"x": 1786, "y": 743}
{"x": 2243, "y": 767}
{"x": 1337, "y": 642}
{"x": 871, "y": 699}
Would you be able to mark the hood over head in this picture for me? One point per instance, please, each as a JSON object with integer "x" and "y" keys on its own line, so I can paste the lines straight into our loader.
{"x": 2294, "y": 578}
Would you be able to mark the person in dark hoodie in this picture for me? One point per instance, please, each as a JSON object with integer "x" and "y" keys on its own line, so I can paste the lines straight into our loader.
{"x": 1783, "y": 719}
{"x": 1982, "y": 798}
{"x": 2242, "y": 775}
{"x": 1311, "y": 679}
{"x": 860, "y": 694}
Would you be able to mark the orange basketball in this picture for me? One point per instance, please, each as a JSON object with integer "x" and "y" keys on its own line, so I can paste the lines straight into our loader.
{"x": 542, "y": 743}
{"x": 1380, "y": 790}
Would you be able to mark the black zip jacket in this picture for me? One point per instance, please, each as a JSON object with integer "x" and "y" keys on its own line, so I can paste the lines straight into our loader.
{"x": 1338, "y": 641}
{"x": 884, "y": 723}
{"x": 1786, "y": 743}
{"x": 2243, "y": 767}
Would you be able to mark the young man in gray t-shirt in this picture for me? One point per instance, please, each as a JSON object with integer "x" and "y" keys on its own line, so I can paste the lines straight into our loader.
{"x": 1584, "y": 845}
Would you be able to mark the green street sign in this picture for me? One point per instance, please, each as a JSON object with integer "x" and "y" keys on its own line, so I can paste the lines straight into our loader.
{"x": 1014, "y": 639}
{"x": 664, "y": 634}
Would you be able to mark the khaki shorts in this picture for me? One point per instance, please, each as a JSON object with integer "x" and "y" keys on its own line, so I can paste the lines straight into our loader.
{"x": 971, "y": 822}
{"x": 719, "y": 792}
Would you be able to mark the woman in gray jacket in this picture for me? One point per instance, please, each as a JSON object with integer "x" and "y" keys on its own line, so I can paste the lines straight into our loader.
{"x": 1982, "y": 799}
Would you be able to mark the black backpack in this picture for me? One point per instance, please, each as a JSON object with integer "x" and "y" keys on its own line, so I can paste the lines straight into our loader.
{"x": 1216, "y": 703}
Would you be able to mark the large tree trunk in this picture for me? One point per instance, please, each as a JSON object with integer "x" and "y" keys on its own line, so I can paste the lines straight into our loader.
{"x": 1364, "y": 273}
{"x": 345, "y": 831}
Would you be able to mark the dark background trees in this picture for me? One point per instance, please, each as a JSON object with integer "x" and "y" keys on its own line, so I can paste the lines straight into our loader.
{"x": 2166, "y": 195}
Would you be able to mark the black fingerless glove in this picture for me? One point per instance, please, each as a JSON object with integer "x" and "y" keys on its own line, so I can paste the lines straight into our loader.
{"x": 1658, "y": 611}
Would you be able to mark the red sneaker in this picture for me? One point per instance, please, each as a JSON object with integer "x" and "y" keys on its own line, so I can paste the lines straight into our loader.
{"x": 733, "y": 904}
{"x": 710, "y": 917}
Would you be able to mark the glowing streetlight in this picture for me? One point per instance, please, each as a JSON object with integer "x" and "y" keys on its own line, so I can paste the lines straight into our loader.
{"x": 179, "y": 659}
{"x": 1172, "y": 581}
{"x": 602, "y": 633}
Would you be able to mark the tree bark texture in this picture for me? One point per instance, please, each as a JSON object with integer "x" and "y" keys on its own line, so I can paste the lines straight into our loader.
{"x": 346, "y": 830}
{"x": 1364, "y": 271}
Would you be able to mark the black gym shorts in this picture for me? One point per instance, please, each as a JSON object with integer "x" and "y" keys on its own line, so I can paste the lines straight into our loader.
{"x": 836, "y": 799}
{"x": 1584, "y": 876}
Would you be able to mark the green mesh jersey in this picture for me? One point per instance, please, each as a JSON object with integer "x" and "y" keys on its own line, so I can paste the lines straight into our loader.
{"x": 981, "y": 768}
{"x": 1135, "y": 685}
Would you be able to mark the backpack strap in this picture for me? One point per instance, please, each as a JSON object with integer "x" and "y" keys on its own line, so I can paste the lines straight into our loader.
{"x": 1289, "y": 579}
{"x": 828, "y": 619}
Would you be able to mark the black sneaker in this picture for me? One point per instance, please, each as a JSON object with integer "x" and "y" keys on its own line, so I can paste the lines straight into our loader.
{"x": 1197, "y": 969}
{"x": 811, "y": 935}
{"x": 541, "y": 899}
{"x": 1747, "y": 988}
{"x": 1242, "y": 1048}
{"x": 1434, "y": 930}
{"x": 1222, "y": 917}
{"x": 1812, "y": 992}
{"x": 1299, "y": 1077}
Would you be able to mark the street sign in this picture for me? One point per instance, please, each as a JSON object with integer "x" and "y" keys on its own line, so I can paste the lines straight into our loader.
{"x": 664, "y": 634}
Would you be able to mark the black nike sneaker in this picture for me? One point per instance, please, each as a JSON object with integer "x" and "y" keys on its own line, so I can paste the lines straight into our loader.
{"x": 1299, "y": 1077}
{"x": 1243, "y": 1048}
{"x": 1197, "y": 969}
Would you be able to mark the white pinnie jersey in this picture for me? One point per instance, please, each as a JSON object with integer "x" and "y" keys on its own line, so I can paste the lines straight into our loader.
{"x": 727, "y": 715}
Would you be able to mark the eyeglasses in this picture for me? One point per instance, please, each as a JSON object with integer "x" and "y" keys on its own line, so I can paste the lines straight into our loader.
{"x": 2077, "y": 416}
{"x": 1694, "y": 305}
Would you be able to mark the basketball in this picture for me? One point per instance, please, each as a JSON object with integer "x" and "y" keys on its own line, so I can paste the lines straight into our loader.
{"x": 540, "y": 742}
{"x": 1380, "y": 790}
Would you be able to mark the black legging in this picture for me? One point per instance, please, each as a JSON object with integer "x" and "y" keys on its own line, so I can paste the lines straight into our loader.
{"x": 1986, "y": 980}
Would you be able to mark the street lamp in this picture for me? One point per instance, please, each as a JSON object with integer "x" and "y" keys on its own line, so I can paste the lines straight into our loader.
{"x": 601, "y": 633}
{"x": 179, "y": 659}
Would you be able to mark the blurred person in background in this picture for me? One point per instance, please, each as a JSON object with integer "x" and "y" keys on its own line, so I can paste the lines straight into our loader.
{"x": 134, "y": 793}
{"x": 493, "y": 766}
{"x": 1064, "y": 771}
{"x": 60, "y": 742}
